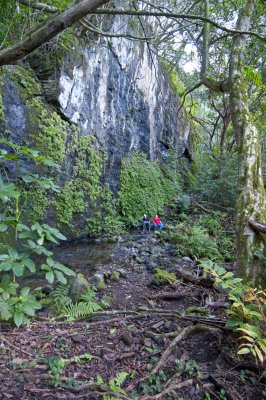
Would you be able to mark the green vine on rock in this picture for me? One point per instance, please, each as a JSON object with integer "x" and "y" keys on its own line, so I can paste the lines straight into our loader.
{"x": 146, "y": 186}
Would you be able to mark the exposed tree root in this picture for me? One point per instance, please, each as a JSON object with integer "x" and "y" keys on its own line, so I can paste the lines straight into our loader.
{"x": 230, "y": 393}
{"x": 181, "y": 335}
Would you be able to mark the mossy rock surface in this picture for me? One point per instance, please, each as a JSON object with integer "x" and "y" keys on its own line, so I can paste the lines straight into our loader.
{"x": 97, "y": 280}
{"x": 79, "y": 287}
{"x": 162, "y": 277}
{"x": 115, "y": 276}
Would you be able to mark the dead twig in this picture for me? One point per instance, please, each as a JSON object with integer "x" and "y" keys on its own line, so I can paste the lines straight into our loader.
{"x": 19, "y": 349}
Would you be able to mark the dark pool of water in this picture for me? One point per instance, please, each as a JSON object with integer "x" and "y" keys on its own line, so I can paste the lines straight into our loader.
{"x": 81, "y": 257}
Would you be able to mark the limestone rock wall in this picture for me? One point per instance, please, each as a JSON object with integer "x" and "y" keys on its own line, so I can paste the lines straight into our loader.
{"x": 112, "y": 89}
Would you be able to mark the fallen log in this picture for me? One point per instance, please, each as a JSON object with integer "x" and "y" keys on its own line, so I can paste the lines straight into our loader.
{"x": 257, "y": 226}
{"x": 205, "y": 282}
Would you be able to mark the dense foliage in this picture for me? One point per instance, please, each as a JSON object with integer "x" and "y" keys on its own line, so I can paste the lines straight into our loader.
{"x": 21, "y": 242}
{"x": 146, "y": 187}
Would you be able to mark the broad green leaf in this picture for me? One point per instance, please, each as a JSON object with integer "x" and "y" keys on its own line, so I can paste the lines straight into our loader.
{"x": 30, "y": 178}
{"x": 40, "y": 241}
{"x": 30, "y": 264}
{"x": 259, "y": 354}
{"x": 12, "y": 252}
{"x": 18, "y": 269}
{"x": 6, "y": 265}
{"x": 18, "y": 319}
{"x": 49, "y": 276}
{"x": 25, "y": 291}
{"x": 245, "y": 350}
{"x": 65, "y": 269}
{"x": 22, "y": 227}
{"x": 262, "y": 346}
{"x": 3, "y": 227}
{"x": 29, "y": 309}
{"x": 60, "y": 277}
{"x": 59, "y": 235}
{"x": 249, "y": 333}
{"x": 233, "y": 322}
{"x": 249, "y": 339}
{"x": 51, "y": 262}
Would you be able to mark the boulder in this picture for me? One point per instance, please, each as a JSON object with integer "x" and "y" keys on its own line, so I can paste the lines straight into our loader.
{"x": 79, "y": 286}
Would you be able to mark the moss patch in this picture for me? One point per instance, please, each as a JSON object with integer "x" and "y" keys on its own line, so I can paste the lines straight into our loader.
{"x": 162, "y": 277}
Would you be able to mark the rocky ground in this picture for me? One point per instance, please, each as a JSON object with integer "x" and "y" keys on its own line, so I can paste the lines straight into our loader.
{"x": 153, "y": 342}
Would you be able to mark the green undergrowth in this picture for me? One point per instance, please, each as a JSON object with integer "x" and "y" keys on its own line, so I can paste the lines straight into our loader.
{"x": 246, "y": 313}
{"x": 146, "y": 187}
{"x": 205, "y": 236}
{"x": 61, "y": 304}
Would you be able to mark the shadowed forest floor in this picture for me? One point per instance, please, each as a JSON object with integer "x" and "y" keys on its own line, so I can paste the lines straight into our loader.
{"x": 153, "y": 342}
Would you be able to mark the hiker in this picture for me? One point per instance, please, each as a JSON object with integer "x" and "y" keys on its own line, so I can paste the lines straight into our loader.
{"x": 157, "y": 223}
{"x": 145, "y": 223}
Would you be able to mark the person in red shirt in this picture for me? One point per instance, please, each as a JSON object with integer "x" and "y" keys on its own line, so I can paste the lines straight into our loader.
{"x": 157, "y": 223}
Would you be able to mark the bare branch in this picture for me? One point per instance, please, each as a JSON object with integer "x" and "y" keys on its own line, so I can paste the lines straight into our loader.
{"x": 199, "y": 84}
{"x": 86, "y": 24}
{"x": 40, "y": 6}
{"x": 181, "y": 16}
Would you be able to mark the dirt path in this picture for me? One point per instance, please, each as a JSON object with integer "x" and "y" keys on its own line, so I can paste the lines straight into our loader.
{"x": 149, "y": 339}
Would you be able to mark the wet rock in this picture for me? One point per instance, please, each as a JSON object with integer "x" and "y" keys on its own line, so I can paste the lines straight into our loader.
{"x": 47, "y": 289}
{"x": 122, "y": 272}
{"x": 97, "y": 280}
{"x": 151, "y": 265}
{"x": 187, "y": 259}
{"x": 79, "y": 286}
{"x": 127, "y": 338}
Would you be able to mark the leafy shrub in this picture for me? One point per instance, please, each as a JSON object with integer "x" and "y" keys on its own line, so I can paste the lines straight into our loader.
{"x": 247, "y": 311}
{"x": 194, "y": 241}
{"x": 19, "y": 304}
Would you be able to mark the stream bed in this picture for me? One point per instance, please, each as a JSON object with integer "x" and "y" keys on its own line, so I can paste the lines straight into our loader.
{"x": 82, "y": 257}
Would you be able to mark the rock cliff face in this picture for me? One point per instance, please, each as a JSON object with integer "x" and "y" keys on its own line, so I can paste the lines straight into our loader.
{"x": 116, "y": 90}
{"x": 112, "y": 89}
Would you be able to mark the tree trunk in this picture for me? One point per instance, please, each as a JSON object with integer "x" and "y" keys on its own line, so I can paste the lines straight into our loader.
{"x": 250, "y": 192}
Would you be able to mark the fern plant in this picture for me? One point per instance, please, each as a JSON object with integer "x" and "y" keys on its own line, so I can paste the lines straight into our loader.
{"x": 114, "y": 385}
{"x": 85, "y": 307}
{"x": 59, "y": 298}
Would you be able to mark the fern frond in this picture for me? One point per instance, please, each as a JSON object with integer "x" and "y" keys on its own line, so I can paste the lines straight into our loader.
{"x": 88, "y": 296}
{"x": 60, "y": 298}
{"x": 80, "y": 310}
{"x": 60, "y": 291}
